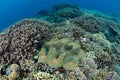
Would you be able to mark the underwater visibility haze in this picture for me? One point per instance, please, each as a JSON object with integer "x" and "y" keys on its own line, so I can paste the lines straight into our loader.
{"x": 12, "y": 11}
{"x": 59, "y": 40}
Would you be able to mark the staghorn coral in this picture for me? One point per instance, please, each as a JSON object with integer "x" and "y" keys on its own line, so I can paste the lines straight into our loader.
{"x": 61, "y": 52}
{"x": 21, "y": 40}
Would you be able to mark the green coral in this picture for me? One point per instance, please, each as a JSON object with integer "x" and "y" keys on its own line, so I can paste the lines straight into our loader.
{"x": 63, "y": 52}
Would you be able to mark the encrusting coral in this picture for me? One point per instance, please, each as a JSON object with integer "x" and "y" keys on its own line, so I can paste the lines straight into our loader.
{"x": 61, "y": 52}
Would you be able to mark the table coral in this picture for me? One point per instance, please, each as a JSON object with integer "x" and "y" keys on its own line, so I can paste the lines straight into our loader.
{"x": 61, "y": 52}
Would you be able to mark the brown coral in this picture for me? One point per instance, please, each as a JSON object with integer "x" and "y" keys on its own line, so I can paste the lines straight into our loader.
{"x": 104, "y": 60}
{"x": 22, "y": 39}
{"x": 89, "y": 23}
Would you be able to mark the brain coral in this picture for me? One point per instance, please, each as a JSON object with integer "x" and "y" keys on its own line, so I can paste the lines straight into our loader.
{"x": 61, "y": 52}
{"x": 21, "y": 40}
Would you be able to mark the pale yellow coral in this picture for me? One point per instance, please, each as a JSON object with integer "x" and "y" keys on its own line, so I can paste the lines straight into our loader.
{"x": 101, "y": 38}
{"x": 63, "y": 52}
{"x": 15, "y": 67}
{"x": 4, "y": 77}
{"x": 98, "y": 36}
{"x": 44, "y": 76}
{"x": 13, "y": 76}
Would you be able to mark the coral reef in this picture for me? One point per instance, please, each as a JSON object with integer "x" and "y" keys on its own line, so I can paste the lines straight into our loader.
{"x": 3, "y": 77}
{"x": 22, "y": 39}
{"x": 75, "y": 74}
{"x": 26, "y": 66}
{"x": 61, "y": 52}
{"x": 116, "y": 48}
{"x": 45, "y": 76}
{"x": 112, "y": 76}
{"x": 117, "y": 68}
{"x": 104, "y": 60}
{"x": 61, "y": 12}
{"x": 44, "y": 68}
{"x": 78, "y": 44}
{"x": 89, "y": 67}
{"x": 12, "y": 73}
{"x": 62, "y": 6}
{"x": 89, "y": 23}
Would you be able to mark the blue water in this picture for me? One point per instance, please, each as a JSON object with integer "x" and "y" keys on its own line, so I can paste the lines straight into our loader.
{"x": 15, "y": 10}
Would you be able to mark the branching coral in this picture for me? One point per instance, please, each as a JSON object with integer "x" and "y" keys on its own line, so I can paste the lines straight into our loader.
{"x": 89, "y": 23}
{"x": 89, "y": 67}
{"x": 104, "y": 60}
{"x": 43, "y": 67}
{"x": 45, "y": 76}
{"x": 22, "y": 39}
{"x": 61, "y": 52}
